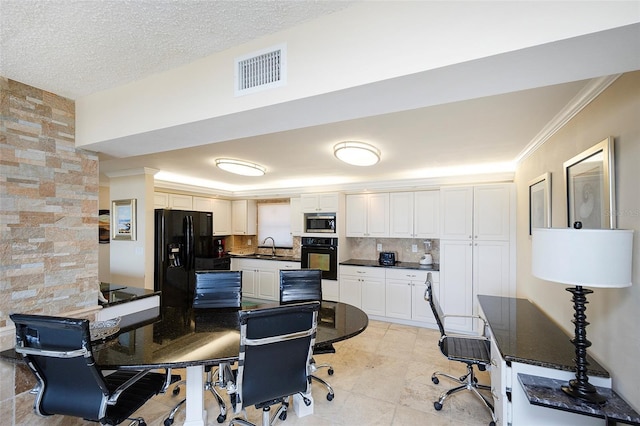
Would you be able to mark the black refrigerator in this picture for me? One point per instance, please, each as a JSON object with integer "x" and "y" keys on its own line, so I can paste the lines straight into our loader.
{"x": 181, "y": 238}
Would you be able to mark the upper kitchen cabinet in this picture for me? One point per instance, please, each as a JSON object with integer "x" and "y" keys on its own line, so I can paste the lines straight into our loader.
{"x": 221, "y": 217}
{"x": 244, "y": 217}
{"x": 324, "y": 202}
{"x": 475, "y": 213}
{"x": 296, "y": 217}
{"x": 367, "y": 215}
{"x": 414, "y": 214}
{"x": 162, "y": 200}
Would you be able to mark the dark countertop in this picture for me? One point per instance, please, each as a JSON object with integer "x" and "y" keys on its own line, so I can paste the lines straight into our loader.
{"x": 399, "y": 265}
{"x": 265, "y": 257}
{"x": 116, "y": 293}
{"x": 525, "y": 334}
{"x": 547, "y": 392}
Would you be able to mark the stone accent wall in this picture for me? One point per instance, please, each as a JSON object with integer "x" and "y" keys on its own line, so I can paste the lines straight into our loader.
{"x": 49, "y": 206}
{"x": 48, "y": 227}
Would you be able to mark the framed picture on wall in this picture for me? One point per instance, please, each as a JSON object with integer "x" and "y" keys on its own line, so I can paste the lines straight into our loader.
{"x": 590, "y": 186}
{"x": 104, "y": 235}
{"x": 540, "y": 202}
{"x": 123, "y": 221}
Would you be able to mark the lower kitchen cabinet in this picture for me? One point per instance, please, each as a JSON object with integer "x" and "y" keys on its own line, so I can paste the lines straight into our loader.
{"x": 405, "y": 291}
{"x": 363, "y": 287}
{"x": 259, "y": 278}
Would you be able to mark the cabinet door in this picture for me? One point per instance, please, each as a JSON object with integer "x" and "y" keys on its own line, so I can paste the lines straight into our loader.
{"x": 202, "y": 204}
{"x": 244, "y": 217}
{"x": 401, "y": 210}
{"x": 267, "y": 284}
{"x": 398, "y": 304}
{"x": 328, "y": 203}
{"x": 221, "y": 217}
{"x": 160, "y": 200}
{"x": 491, "y": 269}
{"x": 296, "y": 217}
{"x": 491, "y": 212}
{"x": 378, "y": 215}
{"x": 456, "y": 285}
{"x": 426, "y": 217}
{"x": 420, "y": 308}
{"x": 356, "y": 224}
{"x": 350, "y": 290}
{"x": 249, "y": 282}
{"x": 498, "y": 387}
{"x": 456, "y": 213}
{"x": 373, "y": 296}
{"x": 180, "y": 202}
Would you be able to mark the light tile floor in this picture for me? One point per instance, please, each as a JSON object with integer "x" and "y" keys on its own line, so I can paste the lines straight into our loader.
{"x": 382, "y": 377}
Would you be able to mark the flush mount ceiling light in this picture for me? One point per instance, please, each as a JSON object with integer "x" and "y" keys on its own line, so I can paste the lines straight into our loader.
{"x": 240, "y": 167}
{"x": 357, "y": 153}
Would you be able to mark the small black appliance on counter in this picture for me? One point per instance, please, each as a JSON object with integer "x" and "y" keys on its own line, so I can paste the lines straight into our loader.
{"x": 387, "y": 258}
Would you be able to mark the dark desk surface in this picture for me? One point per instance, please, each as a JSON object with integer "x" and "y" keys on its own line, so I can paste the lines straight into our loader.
{"x": 187, "y": 337}
{"x": 525, "y": 334}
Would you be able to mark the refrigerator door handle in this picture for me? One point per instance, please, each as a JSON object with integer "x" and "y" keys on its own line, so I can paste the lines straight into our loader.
{"x": 188, "y": 236}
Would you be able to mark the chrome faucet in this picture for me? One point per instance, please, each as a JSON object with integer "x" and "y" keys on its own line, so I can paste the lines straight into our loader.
{"x": 273, "y": 245}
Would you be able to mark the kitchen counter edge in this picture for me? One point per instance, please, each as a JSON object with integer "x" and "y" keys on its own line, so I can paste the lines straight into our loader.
{"x": 399, "y": 265}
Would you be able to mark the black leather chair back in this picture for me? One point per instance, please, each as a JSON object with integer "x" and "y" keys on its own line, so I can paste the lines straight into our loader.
{"x": 435, "y": 306}
{"x": 300, "y": 285}
{"x": 275, "y": 350}
{"x": 218, "y": 289}
{"x": 70, "y": 386}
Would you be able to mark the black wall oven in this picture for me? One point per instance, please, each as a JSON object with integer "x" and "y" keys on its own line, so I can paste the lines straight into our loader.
{"x": 320, "y": 253}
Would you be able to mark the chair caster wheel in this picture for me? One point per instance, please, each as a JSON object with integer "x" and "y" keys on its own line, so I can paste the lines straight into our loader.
{"x": 221, "y": 418}
{"x": 330, "y": 397}
{"x": 492, "y": 424}
{"x": 283, "y": 416}
{"x": 330, "y": 371}
{"x": 176, "y": 391}
{"x": 435, "y": 380}
{"x": 437, "y": 406}
{"x": 142, "y": 423}
{"x": 168, "y": 422}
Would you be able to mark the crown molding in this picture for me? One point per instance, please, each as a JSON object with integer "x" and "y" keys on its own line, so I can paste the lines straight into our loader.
{"x": 588, "y": 93}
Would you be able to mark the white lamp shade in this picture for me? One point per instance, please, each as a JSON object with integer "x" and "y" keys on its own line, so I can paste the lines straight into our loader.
{"x": 583, "y": 257}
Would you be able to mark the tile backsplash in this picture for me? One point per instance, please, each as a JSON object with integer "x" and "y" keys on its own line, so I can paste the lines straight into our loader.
{"x": 366, "y": 248}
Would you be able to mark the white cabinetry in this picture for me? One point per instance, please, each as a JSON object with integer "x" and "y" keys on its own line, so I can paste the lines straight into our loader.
{"x": 202, "y": 204}
{"x": 221, "y": 217}
{"x": 367, "y": 215}
{"x": 180, "y": 202}
{"x": 475, "y": 247}
{"x": 259, "y": 278}
{"x": 414, "y": 214}
{"x": 323, "y": 202}
{"x": 405, "y": 289}
{"x": 244, "y": 217}
{"x": 160, "y": 200}
{"x": 363, "y": 287}
{"x": 296, "y": 216}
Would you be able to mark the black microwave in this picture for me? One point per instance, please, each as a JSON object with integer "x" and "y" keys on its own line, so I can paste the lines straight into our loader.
{"x": 320, "y": 223}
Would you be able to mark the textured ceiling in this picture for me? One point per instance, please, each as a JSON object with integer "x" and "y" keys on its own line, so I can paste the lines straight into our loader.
{"x": 74, "y": 48}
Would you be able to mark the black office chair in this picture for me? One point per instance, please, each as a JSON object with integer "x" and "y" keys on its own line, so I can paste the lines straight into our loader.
{"x": 302, "y": 285}
{"x": 275, "y": 352}
{"x": 221, "y": 290}
{"x": 58, "y": 352}
{"x": 470, "y": 350}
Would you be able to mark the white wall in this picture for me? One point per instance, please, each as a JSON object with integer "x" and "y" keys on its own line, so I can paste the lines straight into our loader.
{"x": 132, "y": 261}
{"x": 613, "y": 313}
{"x": 369, "y": 42}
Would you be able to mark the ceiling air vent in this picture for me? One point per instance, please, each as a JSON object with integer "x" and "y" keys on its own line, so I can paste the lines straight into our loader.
{"x": 261, "y": 70}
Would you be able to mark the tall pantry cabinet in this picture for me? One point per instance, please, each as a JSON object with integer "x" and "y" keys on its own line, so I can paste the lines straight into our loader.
{"x": 477, "y": 248}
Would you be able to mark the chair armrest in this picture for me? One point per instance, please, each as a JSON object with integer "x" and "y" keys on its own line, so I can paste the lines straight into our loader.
{"x": 484, "y": 321}
{"x": 113, "y": 399}
{"x": 54, "y": 354}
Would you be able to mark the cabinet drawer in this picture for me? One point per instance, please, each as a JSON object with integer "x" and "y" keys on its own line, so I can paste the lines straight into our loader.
{"x": 406, "y": 274}
{"x": 363, "y": 271}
